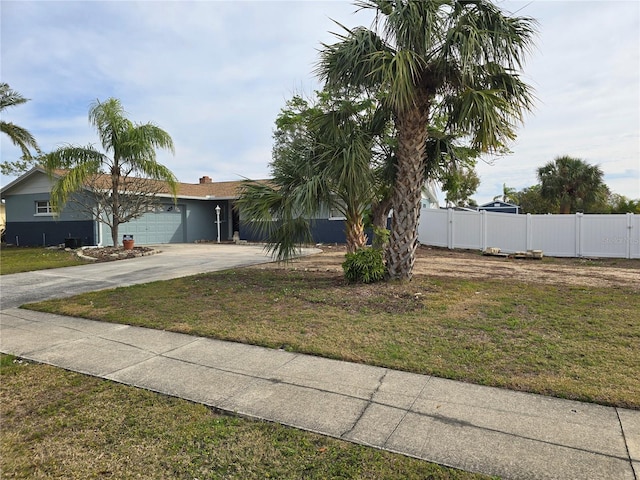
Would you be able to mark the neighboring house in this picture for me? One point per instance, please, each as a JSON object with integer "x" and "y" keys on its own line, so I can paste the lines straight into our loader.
{"x": 499, "y": 206}
{"x": 429, "y": 195}
{"x": 31, "y": 221}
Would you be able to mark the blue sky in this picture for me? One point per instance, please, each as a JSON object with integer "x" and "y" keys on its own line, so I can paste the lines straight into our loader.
{"x": 215, "y": 75}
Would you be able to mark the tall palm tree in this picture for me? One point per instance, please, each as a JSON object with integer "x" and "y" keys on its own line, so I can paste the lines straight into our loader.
{"x": 454, "y": 58}
{"x": 124, "y": 178}
{"x": 19, "y": 136}
{"x": 572, "y": 182}
{"x": 508, "y": 194}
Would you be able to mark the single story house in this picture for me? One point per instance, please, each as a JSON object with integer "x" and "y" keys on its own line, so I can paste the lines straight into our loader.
{"x": 30, "y": 219}
{"x": 499, "y": 206}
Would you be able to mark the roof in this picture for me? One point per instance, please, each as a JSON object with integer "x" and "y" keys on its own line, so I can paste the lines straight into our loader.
{"x": 497, "y": 204}
{"x": 205, "y": 191}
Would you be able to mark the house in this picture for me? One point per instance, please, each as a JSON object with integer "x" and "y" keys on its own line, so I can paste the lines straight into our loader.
{"x": 429, "y": 195}
{"x": 499, "y": 206}
{"x": 30, "y": 219}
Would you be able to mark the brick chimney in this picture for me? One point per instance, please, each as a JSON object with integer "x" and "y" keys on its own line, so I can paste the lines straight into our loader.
{"x": 205, "y": 179}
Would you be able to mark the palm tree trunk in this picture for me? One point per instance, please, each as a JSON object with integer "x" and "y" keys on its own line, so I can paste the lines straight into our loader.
{"x": 356, "y": 238}
{"x": 407, "y": 193}
{"x": 115, "y": 202}
{"x": 380, "y": 213}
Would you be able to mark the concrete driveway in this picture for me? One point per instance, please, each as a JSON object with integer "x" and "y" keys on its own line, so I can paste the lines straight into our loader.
{"x": 173, "y": 261}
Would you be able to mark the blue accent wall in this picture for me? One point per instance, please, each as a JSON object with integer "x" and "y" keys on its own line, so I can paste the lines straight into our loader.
{"x": 49, "y": 233}
{"x": 201, "y": 220}
{"x": 322, "y": 230}
{"x": 328, "y": 231}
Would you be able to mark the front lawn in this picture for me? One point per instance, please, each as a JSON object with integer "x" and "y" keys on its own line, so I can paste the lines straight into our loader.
{"x": 578, "y": 342}
{"x": 27, "y": 259}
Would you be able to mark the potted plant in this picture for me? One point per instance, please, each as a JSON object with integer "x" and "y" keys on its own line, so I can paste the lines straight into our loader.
{"x": 127, "y": 242}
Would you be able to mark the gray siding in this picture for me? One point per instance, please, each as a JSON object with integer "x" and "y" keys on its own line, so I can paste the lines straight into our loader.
{"x": 22, "y": 208}
{"x": 201, "y": 220}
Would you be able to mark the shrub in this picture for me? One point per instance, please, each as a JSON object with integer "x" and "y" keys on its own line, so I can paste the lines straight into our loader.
{"x": 366, "y": 265}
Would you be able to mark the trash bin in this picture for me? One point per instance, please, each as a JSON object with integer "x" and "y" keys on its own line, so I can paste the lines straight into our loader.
{"x": 73, "y": 242}
{"x": 127, "y": 242}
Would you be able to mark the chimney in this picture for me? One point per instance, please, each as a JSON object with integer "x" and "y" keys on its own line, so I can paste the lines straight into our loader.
{"x": 205, "y": 179}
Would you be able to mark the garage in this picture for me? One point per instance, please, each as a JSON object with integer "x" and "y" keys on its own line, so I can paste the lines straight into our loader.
{"x": 165, "y": 224}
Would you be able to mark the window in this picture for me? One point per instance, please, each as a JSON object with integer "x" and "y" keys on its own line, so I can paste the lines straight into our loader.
{"x": 43, "y": 207}
{"x": 335, "y": 208}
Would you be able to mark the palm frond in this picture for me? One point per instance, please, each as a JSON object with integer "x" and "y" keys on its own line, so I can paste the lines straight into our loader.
{"x": 9, "y": 97}
{"x": 20, "y": 137}
{"x": 274, "y": 217}
{"x": 355, "y": 61}
{"x": 77, "y": 177}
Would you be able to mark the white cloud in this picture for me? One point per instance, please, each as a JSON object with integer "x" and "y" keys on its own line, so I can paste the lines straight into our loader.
{"x": 215, "y": 74}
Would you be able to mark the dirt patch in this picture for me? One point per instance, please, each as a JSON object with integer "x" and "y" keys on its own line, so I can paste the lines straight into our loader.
{"x": 440, "y": 262}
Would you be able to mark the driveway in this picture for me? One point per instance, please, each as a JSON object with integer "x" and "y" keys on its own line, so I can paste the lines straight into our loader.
{"x": 173, "y": 261}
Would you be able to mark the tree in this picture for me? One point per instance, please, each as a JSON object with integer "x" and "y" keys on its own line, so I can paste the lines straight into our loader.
{"x": 573, "y": 183}
{"x": 460, "y": 185}
{"x": 122, "y": 186}
{"x": 531, "y": 201}
{"x": 508, "y": 195}
{"x": 621, "y": 204}
{"x": 19, "y": 136}
{"x": 426, "y": 59}
{"x": 324, "y": 157}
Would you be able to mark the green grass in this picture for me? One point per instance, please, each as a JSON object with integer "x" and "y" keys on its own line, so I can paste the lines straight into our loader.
{"x": 27, "y": 259}
{"x": 572, "y": 342}
{"x": 59, "y": 424}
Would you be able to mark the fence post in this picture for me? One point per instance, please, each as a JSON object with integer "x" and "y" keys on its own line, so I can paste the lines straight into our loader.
{"x": 483, "y": 229}
{"x": 450, "y": 219}
{"x": 578, "y": 217}
{"x": 529, "y": 233}
{"x": 629, "y": 233}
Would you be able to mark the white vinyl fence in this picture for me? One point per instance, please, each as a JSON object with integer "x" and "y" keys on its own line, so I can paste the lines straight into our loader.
{"x": 579, "y": 235}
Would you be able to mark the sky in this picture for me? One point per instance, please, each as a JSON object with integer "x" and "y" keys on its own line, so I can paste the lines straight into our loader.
{"x": 215, "y": 75}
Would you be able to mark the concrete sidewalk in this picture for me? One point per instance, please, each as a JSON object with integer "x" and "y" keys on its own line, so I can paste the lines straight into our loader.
{"x": 479, "y": 429}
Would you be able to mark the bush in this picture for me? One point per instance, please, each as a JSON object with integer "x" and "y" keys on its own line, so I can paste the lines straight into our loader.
{"x": 365, "y": 265}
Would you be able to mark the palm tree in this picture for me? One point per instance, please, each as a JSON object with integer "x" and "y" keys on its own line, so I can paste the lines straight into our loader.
{"x": 125, "y": 183}
{"x": 508, "y": 195}
{"x": 19, "y": 136}
{"x": 323, "y": 159}
{"x": 573, "y": 183}
{"x": 428, "y": 59}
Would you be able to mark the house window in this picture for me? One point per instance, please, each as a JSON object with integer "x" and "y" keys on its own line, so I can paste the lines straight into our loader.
{"x": 335, "y": 212}
{"x": 43, "y": 207}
